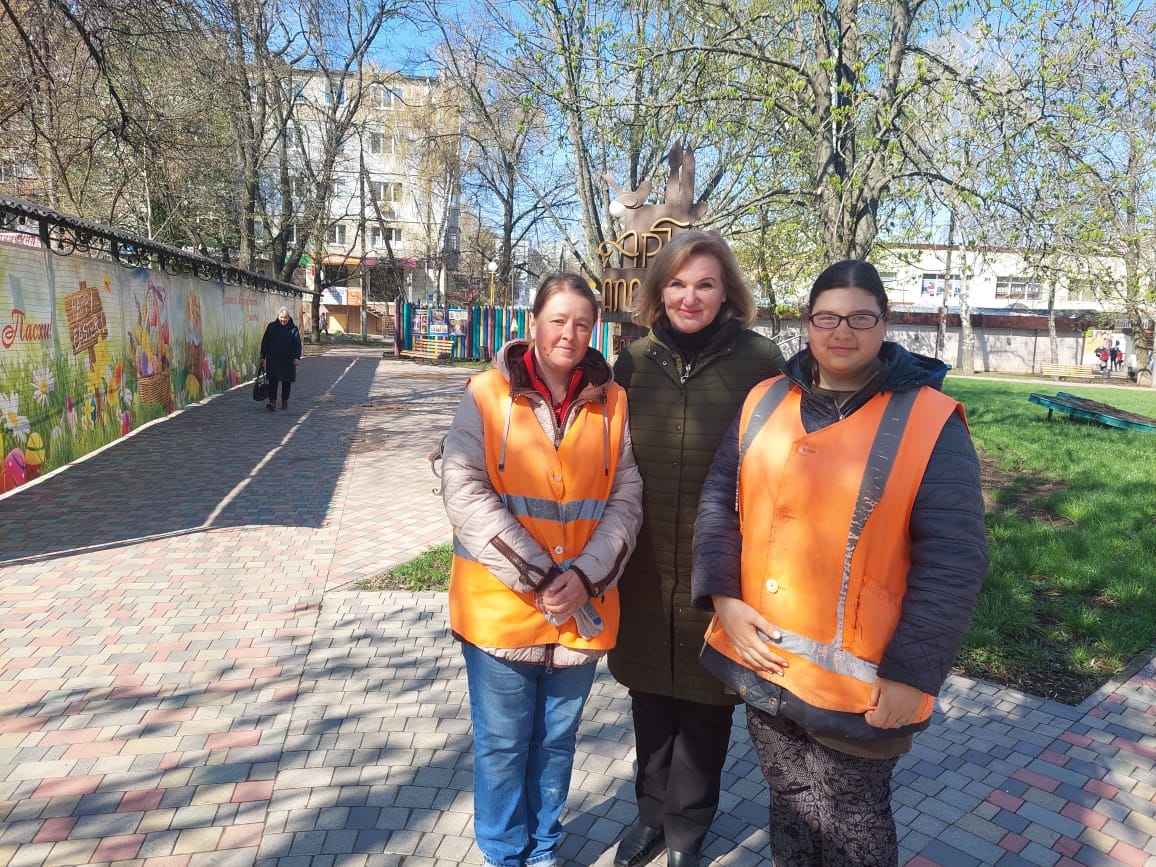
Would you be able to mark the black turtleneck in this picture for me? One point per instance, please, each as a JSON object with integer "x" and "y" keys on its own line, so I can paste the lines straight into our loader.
{"x": 689, "y": 346}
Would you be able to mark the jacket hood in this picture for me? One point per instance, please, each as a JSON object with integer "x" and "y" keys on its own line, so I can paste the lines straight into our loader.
{"x": 902, "y": 370}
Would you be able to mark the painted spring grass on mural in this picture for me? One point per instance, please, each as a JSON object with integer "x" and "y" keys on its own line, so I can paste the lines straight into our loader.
{"x": 1071, "y": 514}
{"x": 54, "y": 410}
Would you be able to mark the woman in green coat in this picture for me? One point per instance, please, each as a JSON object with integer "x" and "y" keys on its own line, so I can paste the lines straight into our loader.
{"x": 685, "y": 382}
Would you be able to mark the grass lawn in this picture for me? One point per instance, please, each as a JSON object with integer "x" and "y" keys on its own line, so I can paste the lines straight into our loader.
{"x": 1071, "y": 595}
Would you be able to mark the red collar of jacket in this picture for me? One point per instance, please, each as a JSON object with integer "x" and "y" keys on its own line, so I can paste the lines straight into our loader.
{"x": 577, "y": 380}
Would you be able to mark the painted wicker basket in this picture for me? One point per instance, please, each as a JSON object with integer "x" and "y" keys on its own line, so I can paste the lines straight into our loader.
{"x": 155, "y": 388}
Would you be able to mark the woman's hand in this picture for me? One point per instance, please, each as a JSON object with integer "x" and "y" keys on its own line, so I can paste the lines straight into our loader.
{"x": 296, "y": 361}
{"x": 563, "y": 597}
{"x": 749, "y": 631}
{"x": 894, "y": 704}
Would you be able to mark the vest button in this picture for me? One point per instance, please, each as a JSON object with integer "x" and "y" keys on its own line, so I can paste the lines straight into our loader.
{"x": 557, "y": 477}
{"x": 772, "y": 585}
{"x": 557, "y": 549}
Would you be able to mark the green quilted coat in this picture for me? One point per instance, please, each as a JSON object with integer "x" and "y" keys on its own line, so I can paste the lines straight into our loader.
{"x": 676, "y": 426}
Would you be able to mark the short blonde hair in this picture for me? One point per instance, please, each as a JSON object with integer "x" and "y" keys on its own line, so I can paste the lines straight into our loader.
{"x": 281, "y": 310}
{"x": 740, "y": 303}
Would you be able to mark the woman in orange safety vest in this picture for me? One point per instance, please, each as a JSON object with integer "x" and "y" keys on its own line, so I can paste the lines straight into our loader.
{"x": 840, "y": 542}
{"x": 545, "y": 501}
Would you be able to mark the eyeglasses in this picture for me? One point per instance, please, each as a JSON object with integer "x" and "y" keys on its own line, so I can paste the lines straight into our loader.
{"x": 856, "y": 321}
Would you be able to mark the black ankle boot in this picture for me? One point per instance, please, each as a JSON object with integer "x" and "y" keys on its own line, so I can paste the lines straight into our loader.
{"x": 639, "y": 845}
{"x": 681, "y": 859}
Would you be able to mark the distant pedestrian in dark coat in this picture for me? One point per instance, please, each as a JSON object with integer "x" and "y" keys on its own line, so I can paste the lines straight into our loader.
{"x": 280, "y": 355}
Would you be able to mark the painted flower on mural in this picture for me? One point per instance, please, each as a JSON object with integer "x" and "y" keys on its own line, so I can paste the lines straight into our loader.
{"x": 94, "y": 379}
{"x": 43, "y": 384}
{"x": 14, "y": 422}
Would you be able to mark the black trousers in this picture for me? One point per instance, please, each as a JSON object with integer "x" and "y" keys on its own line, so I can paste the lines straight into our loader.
{"x": 286, "y": 387}
{"x": 828, "y": 809}
{"x": 682, "y": 747}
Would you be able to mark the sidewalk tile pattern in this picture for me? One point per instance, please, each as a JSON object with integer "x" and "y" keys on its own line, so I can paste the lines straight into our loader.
{"x": 189, "y": 674}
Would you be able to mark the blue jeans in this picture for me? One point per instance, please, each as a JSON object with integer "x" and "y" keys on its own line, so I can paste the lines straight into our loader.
{"x": 525, "y": 720}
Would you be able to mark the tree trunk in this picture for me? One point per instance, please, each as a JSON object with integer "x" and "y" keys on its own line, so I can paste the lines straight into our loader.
{"x": 966, "y": 333}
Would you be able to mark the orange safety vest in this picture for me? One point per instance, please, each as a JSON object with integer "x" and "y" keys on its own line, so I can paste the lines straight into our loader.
{"x": 557, "y": 494}
{"x": 824, "y": 520}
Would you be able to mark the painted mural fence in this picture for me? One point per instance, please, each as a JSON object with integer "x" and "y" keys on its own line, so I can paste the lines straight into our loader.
{"x": 91, "y": 349}
{"x": 477, "y": 331}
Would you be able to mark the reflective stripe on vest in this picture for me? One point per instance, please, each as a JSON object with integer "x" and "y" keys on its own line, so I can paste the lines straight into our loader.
{"x": 549, "y": 510}
{"x": 806, "y": 508}
{"x": 460, "y": 551}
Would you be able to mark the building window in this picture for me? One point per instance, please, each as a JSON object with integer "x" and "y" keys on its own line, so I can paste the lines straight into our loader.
{"x": 336, "y": 234}
{"x": 940, "y": 282}
{"x": 378, "y": 237}
{"x": 289, "y": 234}
{"x": 385, "y": 98}
{"x": 388, "y": 192}
{"x": 1017, "y": 289}
{"x": 380, "y": 143}
{"x": 1081, "y": 289}
{"x": 335, "y": 93}
{"x": 339, "y": 186}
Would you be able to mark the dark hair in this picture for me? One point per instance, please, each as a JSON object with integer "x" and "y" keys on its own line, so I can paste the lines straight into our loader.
{"x": 552, "y": 284}
{"x": 740, "y": 303}
{"x": 850, "y": 274}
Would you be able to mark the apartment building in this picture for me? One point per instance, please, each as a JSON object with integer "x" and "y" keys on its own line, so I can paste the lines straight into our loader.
{"x": 391, "y": 224}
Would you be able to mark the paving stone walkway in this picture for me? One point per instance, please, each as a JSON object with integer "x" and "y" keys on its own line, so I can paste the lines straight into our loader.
{"x": 189, "y": 674}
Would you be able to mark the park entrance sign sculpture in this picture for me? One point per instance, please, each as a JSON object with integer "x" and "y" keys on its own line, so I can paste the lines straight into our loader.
{"x": 647, "y": 228}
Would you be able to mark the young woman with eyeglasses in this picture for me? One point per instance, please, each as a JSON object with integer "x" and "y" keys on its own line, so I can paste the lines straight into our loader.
{"x": 844, "y": 581}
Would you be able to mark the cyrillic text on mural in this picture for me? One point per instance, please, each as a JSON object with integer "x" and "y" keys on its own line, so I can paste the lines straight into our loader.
{"x": 647, "y": 227}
